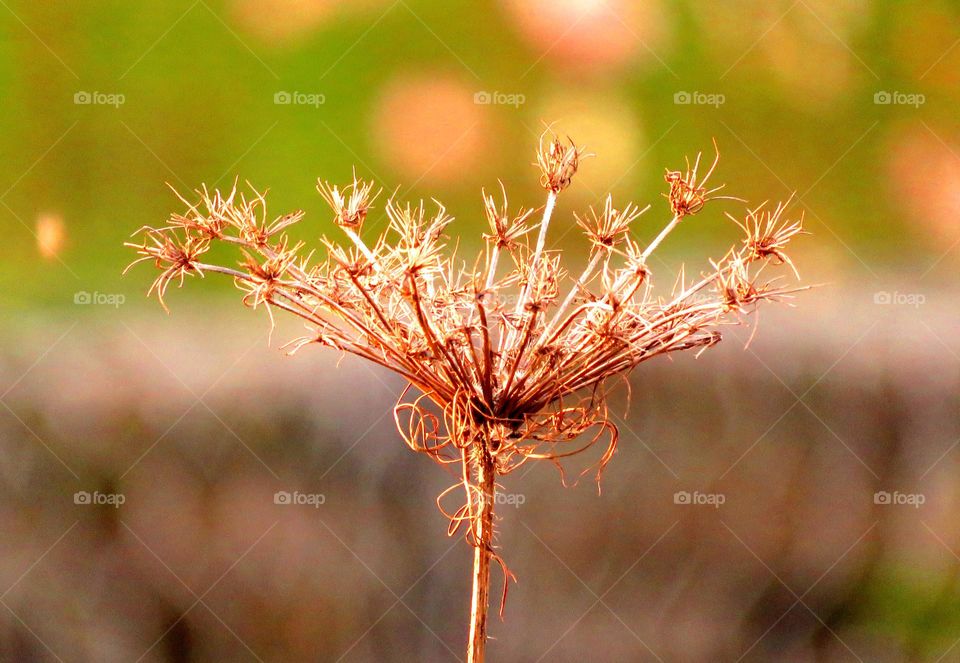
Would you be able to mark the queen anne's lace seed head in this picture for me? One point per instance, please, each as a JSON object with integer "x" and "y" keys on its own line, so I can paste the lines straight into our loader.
{"x": 509, "y": 352}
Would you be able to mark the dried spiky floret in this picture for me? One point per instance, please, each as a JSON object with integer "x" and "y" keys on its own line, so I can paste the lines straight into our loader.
{"x": 767, "y": 236}
{"x": 687, "y": 195}
{"x": 606, "y": 229}
{"x": 504, "y": 369}
{"x": 558, "y": 162}
{"x": 174, "y": 254}
{"x": 351, "y": 203}
{"x": 504, "y": 228}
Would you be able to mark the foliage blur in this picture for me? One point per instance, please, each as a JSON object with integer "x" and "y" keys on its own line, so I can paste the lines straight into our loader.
{"x": 398, "y": 80}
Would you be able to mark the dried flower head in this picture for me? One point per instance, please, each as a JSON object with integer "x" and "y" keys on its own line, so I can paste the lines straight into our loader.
{"x": 558, "y": 162}
{"x": 263, "y": 276}
{"x": 508, "y": 361}
{"x": 609, "y": 227}
{"x": 504, "y": 228}
{"x": 351, "y": 203}
{"x": 767, "y": 236}
{"x": 736, "y": 286}
{"x": 176, "y": 256}
{"x": 687, "y": 195}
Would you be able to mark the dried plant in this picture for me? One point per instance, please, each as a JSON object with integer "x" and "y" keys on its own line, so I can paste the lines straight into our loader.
{"x": 502, "y": 370}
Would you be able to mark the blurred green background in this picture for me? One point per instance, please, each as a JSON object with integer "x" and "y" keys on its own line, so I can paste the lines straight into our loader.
{"x": 185, "y": 93}
{"x": 851, "y": 105}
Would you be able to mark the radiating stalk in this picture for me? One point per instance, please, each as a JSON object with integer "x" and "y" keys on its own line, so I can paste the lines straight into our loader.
{"x": 663, "y": 233}
{"x": 584, "y": 277}
{"x": 363, "y": 247}
{"x": 541, "y": 241}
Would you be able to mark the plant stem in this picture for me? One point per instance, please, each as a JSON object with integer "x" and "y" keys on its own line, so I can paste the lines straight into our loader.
{"x": 492, "y": 269}
{"x": 363, "y": 247}
{"x": 483, "y": 532}
{"x": 510, "y": 337}
{"x": 541, "y": 241}
{"x": 574, "y": 291}
{"x": 663, "y": 233}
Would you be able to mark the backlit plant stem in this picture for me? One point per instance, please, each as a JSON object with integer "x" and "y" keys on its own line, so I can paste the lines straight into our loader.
{"x": 663, "y": 234}
{"x": 483, "y": 533}
{"x": 531, "y": 274}
{"x": 541, "y": 241}
{"x": 355, "y": 238}
{"x": 584, "y": 277}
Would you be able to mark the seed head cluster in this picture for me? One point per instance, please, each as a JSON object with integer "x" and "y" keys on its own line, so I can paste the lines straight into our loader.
{"x": 507, "y": 354}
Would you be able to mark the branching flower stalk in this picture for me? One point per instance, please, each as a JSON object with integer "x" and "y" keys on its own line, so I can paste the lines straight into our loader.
{"x": 502, "y": 369}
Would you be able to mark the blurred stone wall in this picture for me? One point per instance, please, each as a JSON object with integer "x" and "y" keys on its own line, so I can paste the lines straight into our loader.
{"x": 173, "y": 489}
